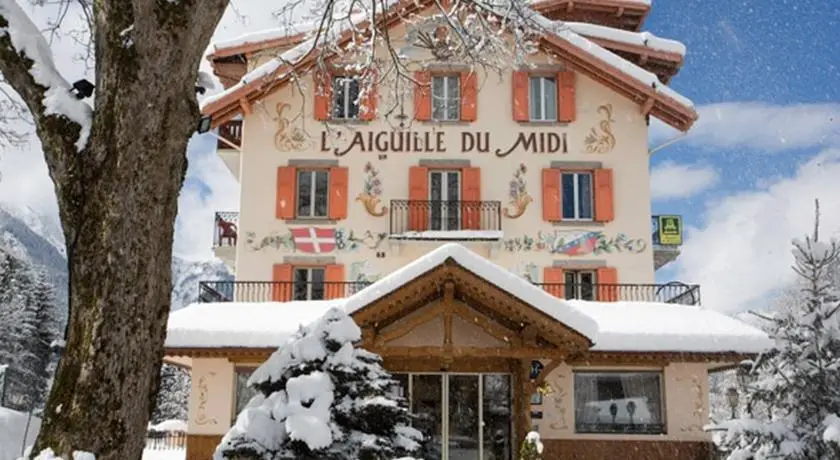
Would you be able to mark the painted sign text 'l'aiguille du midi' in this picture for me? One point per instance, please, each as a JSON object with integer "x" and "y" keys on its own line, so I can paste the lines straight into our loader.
{"x": 436, "y": 142}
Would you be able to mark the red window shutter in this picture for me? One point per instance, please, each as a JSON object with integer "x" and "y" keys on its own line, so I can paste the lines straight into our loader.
{"x": 339, "y": 177}
{"x": 335, "y": 282}
{"x": 607, "y": 282}
{"x": 471, "y": 192}
{"x": 286, "y": 181}
{"x": 469, "y": 96}
{"x": 520, "y": 96}
{"x": 367, "y": 105}
{"x": 551, "y": 195}
{"x": 423, "y": 96}
{"x": 553, "y": 281}
{"x": 418, "y": 197}
{"x": 604, "y": 195}
{"x": 566, "y": 104}
{"x": 323, "y": 94}
{"x": 281, "y": 289}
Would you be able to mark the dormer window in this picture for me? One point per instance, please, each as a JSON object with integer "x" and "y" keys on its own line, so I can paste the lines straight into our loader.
{"x": 446, "y": 98}
{"x": 345, "y": 98}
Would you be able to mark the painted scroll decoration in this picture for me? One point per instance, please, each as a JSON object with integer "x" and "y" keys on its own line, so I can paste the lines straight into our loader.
{"x": 286, "y": 139}
{"x": 316, "y": 240}
{"x": 557, "y": 418}
{"x": 698, "y": 412}
{"x": 370, "y": 195}
{"x": 518, "y": 193}
{"x": 201, "y": 417}
{"x": 575, "y": 243}
{"x": 601, "y": 139}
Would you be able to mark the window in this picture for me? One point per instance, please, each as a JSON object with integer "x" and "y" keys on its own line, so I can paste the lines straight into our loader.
{"x": 618, "y": 402}
{"x": 446, "y": 98}
{"x": 312, "y": 192}
{"x": 242, "y": 392}
{"x": 577, "y": 195}
{"x": 308, "y": 283}
{"x": 543, "y": 103}
{"x": 579, "y": 284}
{"x": 445, "y": 200}
{"x": 345, "y": 98}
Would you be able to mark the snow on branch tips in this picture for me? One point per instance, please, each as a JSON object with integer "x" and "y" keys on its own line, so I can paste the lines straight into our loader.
{"x": 28, "y": 41}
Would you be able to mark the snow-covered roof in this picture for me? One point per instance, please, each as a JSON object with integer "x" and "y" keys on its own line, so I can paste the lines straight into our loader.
{"x": 241, "y": 324}
{"x": 611, "y": 326}
{"x": 272, "y": 68}
{"x": 646, "y": 39}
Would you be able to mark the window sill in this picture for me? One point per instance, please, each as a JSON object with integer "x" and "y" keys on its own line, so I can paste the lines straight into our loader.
{"x": 544, "y": 123}
{"x": 310, "y": 221}
{"x": 347, "y": 121}
{"x": 655, "y": 429}
{"x": 577, "y": 223}
{"x": 445, "y": 122}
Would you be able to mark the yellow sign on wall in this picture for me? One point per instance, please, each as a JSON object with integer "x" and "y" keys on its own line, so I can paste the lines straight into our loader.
{"x": 670, "y": 230}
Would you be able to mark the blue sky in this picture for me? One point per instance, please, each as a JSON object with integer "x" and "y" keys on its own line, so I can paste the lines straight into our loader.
{"x": 772, "y": 69}
{"x": 764, "y": 76}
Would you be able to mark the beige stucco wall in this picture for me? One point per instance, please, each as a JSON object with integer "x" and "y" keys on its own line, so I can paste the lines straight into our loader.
{"x": 628, "y": 159}
{"x": 685, "y": 390}
{"x": 211, "y": 396}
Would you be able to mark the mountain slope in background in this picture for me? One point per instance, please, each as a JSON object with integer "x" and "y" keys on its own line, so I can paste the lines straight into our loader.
{"x": 41, "y": 240}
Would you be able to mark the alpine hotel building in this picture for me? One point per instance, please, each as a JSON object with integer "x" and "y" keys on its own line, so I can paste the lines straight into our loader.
{"x": 490, "y": 233}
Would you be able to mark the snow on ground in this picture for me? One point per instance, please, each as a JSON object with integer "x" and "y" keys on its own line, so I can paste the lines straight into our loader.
{"x": 12, "y": 429}
{"x": 164, "y": 454}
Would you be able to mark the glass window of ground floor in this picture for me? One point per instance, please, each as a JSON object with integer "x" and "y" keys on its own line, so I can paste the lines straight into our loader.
{"x": 462, "y": 416}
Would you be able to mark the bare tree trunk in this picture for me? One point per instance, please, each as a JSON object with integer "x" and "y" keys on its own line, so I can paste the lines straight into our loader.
{"x": 118, "y": 202}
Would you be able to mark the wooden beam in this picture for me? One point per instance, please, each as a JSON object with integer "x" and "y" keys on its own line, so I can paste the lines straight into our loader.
{"x": 486, "y": 324}
{"x": 554, "y": 364}
{"x": 647, "y": 106}
{"x": 427, "y": 314}
{"x": 527, "y": 353}
{"x": 529, "y": 335}
{"x": 245, "y": 106}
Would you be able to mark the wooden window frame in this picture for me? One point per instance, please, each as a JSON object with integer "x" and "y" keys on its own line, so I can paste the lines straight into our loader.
{"x": 458, "y": 102}
{"x": 314, "y": 170}
{"x": 576, "y": 172}
{"x": 542, "y": 76}
{"x": 309, "y": 268}
{"x": 663, "y": 409}
{"x": 576, "y": 272}
{"x": 334, "y": 79}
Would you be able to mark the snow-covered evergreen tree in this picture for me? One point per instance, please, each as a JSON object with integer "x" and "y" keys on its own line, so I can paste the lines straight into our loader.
{"x": 793, "y": 392}
{"x": 28, "y": 324}
{"x": 173, "y": 394}
{"x": 321, "y": 398}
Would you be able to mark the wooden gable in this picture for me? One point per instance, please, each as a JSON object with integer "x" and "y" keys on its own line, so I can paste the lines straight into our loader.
{"x": 451, "y": 312}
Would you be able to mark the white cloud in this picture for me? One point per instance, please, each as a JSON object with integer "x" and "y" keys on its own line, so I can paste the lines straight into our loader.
{"x": 670, "y": 180}
{"x": 742, "y": 254}
{"x": 759, "y": 126}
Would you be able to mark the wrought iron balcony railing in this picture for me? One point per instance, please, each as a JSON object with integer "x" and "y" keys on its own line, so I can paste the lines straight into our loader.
{"x": 275, "y": 291}
{"x": 226, "y": 229}
{"x": 676, "y": 293}
{"x": 409, "y": 216}
{"x": 231, "y": 132}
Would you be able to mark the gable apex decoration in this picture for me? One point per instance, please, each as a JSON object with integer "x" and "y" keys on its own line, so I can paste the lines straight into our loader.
{"x": 580, "y": 54}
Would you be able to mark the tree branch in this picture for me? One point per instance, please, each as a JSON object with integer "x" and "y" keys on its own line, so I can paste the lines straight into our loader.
{"x": 27, "y": 66}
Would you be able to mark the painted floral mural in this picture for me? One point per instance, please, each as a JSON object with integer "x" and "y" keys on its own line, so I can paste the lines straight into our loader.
{"x": 575, "y": 243}
{"x": 370, "y": 197}
{"x": 316, "y": 240}
{"x": 518, "y": 194}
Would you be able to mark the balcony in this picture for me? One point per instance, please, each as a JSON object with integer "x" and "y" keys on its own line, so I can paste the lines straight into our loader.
{"x": 275, "y": 291}
{"x": 229, "y": 145}
{"x": 446, "y": 220}
{"x": 225, "y": 235}
{"x": 676, "y": 293}
{"x": 272, "y": 291}
{"x": 667, "y": 239}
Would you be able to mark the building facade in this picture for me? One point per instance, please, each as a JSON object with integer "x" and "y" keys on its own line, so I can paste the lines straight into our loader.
{"x": 350, "y": 180}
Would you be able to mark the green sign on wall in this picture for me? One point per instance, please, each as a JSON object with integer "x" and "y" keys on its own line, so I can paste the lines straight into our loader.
{"x": 670, "y": 230}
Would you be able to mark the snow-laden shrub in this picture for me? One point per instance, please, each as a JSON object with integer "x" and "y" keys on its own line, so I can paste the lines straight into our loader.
{"x": 319, "y": 397}
{"x": 532, "y": 447}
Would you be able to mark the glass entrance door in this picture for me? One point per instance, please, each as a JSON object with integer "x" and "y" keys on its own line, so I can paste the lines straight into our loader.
{"x": 462, "y": 416}
{"x": 445, "y": 200}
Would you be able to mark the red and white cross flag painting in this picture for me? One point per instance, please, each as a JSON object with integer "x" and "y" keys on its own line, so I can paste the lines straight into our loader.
{"x": 313, "y": 239}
